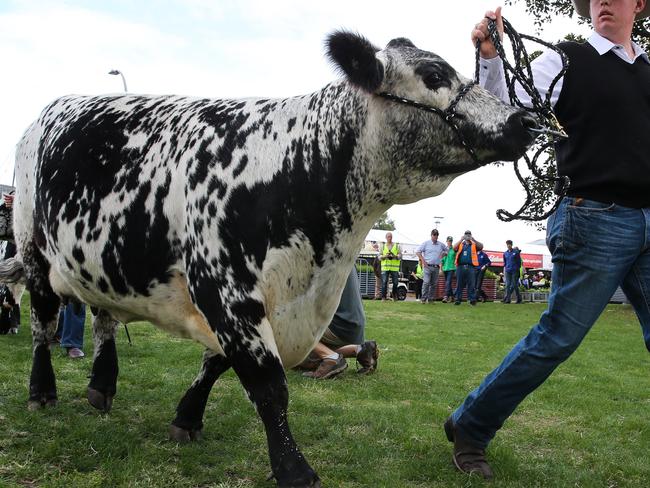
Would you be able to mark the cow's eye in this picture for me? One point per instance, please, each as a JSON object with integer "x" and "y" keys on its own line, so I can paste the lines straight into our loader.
{"x": 433, "y": 81}
{"x": 433, "y": 76}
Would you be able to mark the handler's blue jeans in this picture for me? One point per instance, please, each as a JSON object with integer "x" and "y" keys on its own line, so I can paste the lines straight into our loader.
{"x": 595, "y": 247}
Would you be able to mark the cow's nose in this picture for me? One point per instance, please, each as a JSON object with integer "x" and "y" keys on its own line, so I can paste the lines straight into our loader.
{"x": 530, "y": 123}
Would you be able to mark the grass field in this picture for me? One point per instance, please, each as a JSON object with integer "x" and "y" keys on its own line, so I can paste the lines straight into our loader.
{"x": 587, "y": 426}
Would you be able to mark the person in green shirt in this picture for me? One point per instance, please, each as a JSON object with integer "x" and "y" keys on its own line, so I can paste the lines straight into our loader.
{"x": 449, "y": 269}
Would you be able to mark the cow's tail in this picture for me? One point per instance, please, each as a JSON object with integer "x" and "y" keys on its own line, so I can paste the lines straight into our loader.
{"x": 12, "y": 271}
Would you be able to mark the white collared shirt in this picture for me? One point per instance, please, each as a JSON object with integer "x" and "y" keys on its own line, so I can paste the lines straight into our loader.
{"x": 545, "y": 68}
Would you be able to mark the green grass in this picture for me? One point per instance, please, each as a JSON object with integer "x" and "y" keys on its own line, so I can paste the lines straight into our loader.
{"x": 587, "y": 426}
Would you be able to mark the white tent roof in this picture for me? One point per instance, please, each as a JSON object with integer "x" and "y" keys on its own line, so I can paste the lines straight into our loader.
{"x": 407, "y": 244}
{"x": 380, "y": 236}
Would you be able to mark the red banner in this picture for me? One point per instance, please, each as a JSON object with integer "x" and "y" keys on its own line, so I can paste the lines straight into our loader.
{"x": 530, "y": 260}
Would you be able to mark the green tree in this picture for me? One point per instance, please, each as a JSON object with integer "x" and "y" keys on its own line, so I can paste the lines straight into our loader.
{"x": 384, "y": 223}
{"x": 544, "y": 11}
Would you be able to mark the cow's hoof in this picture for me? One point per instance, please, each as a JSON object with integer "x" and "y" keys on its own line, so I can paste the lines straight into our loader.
{"x": 33, "y": 405}
{"x": 100, "y": 401}
{"x": 184, "y": 436}
{"x": 313, "y": 484}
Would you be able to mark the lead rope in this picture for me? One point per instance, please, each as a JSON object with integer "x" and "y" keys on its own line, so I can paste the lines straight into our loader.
{"x": 522, "y": 73}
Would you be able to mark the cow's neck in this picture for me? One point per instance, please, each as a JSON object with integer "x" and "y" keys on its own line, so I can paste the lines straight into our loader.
{"x": 341, "y": 157}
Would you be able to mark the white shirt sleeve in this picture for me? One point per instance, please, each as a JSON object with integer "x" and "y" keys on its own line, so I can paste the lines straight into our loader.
{"x": 545, "y": 68}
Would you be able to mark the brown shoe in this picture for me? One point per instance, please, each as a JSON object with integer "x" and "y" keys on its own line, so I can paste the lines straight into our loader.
{"x": 328, "y": 368}
{"x": 467, "y": 458}
{"x": 310, "y": 363}
{"x": 367, "y": 357}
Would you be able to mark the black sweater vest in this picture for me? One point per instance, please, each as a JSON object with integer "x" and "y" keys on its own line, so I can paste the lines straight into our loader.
{"x": 604, "y": 107}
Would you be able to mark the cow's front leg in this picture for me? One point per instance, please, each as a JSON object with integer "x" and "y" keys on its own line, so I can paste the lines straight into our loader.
{"x": 44, "y": 318}
{"x": 188, "y": 424}
{"x": 261, "y": 373}
{"x": 103, "y": 378}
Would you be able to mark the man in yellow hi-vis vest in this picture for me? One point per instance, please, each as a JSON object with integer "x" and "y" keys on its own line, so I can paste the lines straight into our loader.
{"x": 391, "y": 254}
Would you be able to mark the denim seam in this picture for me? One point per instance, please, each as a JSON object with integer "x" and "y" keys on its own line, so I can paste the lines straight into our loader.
{"x": 644, "y": 293}
{"x": 591, "y": 209}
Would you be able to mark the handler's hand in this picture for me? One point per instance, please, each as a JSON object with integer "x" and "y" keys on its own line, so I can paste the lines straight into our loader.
{"x": 480, "y": 33}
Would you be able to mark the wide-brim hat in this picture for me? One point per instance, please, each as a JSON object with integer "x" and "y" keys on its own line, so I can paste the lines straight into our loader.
{"x": 582, "y": 8}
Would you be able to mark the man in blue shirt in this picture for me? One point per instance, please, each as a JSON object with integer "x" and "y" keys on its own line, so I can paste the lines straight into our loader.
{"x": 430, "y": 253}
{"x": 511, "y": 268}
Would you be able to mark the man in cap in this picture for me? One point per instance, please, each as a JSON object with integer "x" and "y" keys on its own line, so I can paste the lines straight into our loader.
{"x": 467, "y": 249}
{"x": 449, "y": 270}
{"x": 603, "y": 103}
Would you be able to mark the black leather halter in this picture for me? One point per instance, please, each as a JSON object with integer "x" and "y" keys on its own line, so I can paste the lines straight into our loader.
{"x": 449, "y": 116}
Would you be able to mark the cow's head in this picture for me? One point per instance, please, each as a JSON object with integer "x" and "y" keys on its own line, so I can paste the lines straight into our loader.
{"x": 422, "y": 139}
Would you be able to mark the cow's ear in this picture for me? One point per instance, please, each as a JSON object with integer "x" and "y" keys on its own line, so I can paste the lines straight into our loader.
{"x": 354, "y": 55}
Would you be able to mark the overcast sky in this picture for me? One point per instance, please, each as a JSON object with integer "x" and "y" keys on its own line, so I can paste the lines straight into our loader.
{"x": 244, "y": 48}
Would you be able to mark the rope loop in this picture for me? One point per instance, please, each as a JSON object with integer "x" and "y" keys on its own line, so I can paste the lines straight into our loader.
{"x": 520, "y": 71}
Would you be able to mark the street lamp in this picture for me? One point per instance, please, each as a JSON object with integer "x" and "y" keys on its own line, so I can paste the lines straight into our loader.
{"x": 437, "y": 220}
{"x": 118, "y": 72}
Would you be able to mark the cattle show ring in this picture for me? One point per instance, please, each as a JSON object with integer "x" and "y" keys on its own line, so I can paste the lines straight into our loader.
{"x": 208, "y": 242}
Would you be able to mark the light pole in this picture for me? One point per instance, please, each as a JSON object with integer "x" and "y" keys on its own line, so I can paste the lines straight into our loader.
{"x": 118, "y": 72}
{"x": 437, "y": 220}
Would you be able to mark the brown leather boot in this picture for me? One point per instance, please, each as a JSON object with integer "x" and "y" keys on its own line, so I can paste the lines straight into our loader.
{"x": 467, "y": 458}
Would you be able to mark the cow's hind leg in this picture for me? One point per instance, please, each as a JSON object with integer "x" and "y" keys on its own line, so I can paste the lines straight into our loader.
{"x": 188, "y": 424}
{"x": 261, "y": 373}
{"x": 44, "y": 319}
{"x": 103, "y": 378}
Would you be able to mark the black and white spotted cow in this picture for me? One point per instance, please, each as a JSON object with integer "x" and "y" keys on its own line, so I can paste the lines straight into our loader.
{"x": 236, "y": 222}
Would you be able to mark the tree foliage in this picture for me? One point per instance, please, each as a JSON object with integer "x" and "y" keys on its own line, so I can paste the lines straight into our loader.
{"x": 543, "y": 12}
{"x": 384, "y": 223}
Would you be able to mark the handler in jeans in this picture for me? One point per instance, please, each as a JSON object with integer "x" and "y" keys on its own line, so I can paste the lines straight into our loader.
{"x": 603, "y": 102}
{"x": 430, "y": 253}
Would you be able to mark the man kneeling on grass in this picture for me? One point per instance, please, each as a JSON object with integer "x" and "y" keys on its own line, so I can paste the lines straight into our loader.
{"x": 344, "y": 338}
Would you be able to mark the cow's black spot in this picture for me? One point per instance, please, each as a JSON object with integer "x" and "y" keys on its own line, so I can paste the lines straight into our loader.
{"x": 102, "y": 284}
{"x": 78, "y": 255}
{"x": 243, "y": 161}
{"x": 79, "y": 228}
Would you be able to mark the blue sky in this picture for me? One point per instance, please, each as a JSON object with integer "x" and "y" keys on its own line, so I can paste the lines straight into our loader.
{"x": 240, "y": 49}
